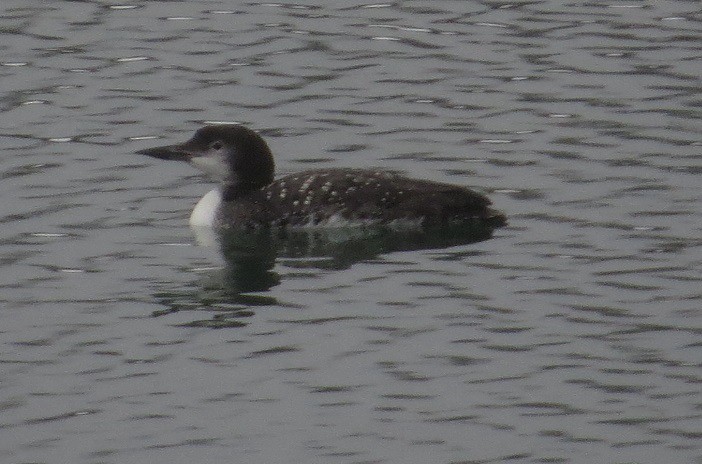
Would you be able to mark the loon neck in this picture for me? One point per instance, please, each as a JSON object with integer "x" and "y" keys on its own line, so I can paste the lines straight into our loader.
{"x": 233, "y": 190}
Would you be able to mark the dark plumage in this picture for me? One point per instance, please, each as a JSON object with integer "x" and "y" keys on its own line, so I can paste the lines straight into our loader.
{"x": 243, "y": 164}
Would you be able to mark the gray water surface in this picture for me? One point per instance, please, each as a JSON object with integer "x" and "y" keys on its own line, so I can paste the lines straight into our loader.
{"x": 571, "y": 336}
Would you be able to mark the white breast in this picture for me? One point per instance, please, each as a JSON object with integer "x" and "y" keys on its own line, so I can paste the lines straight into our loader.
{"x": 205, "y": 211}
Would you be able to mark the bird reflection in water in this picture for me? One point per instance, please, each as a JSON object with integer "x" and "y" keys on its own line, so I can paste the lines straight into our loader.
{"x": 231, "y": 292}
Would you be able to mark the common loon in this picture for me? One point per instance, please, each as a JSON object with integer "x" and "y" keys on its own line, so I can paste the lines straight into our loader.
{"x": 249, "y": 197}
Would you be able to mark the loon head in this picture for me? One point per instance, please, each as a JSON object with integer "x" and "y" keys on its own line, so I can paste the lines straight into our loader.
{"x": 231, "y": 154}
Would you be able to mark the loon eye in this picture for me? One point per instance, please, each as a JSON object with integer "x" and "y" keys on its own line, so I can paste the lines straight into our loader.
{"x": 216, "y": 145}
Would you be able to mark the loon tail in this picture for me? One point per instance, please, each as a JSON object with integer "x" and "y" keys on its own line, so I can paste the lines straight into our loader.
{"x": 495, "y": 218}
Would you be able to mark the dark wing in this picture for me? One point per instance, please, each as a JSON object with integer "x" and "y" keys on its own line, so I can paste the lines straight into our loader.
{"x": 436, "y": 203}
{"x": 369, "y": 195}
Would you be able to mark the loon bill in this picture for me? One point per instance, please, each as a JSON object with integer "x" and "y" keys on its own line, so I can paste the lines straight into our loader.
{"x": 248, "y": 195}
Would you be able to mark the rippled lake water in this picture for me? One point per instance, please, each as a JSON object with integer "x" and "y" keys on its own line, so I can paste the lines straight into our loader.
{"x": 572, "y": 335}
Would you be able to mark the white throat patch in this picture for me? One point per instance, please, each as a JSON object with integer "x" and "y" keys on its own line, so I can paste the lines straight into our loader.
{"x": 215, "y": 167}
{"x": 205, "y": 212}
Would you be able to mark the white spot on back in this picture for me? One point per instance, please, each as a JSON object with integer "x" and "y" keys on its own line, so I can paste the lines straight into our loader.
{"x": 307, "y": 183}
